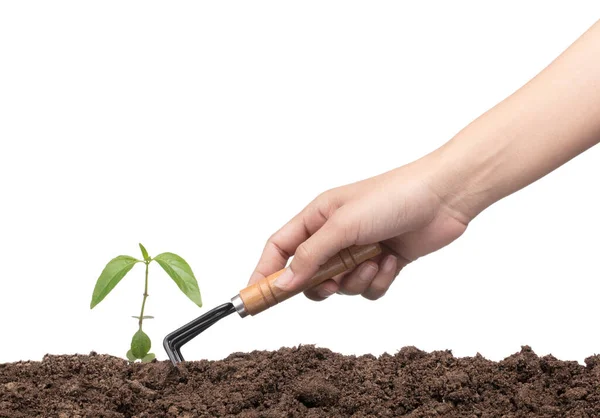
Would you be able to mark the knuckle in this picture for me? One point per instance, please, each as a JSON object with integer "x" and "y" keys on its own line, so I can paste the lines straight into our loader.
{"x": 322, "y": 196}
{"x": 327, "y": 194}
{"x": 327, "y": 203}
{"x": 269, "y": 242}
{"x": 272, "y": 237}
{"x": 272, "y": 244}
{"x": 303, "y": 254}
{"x": 321, "y": 199}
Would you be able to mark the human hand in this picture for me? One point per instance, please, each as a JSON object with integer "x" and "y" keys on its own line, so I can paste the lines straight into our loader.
{"x": 423, "y": 206}
{"x": 401, "y": 209}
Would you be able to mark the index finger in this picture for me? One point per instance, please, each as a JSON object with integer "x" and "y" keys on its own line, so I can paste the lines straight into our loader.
{"x": 283, "y": 244}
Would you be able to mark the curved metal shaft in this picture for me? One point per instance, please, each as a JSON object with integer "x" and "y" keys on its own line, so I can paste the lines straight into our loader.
{"x": 175, "y": 340}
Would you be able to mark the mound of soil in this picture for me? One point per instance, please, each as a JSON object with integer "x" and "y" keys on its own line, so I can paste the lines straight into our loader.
{"x": 303, "y": 382}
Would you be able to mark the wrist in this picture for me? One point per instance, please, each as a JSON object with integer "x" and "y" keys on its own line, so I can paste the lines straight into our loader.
{"x": 467, "y": 172}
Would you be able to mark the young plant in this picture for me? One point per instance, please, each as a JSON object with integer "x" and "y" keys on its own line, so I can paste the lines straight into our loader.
{"x": 176, "y": 267}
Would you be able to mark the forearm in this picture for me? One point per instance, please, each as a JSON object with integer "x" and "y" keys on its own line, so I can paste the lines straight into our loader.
{"x": 550, "y": 120}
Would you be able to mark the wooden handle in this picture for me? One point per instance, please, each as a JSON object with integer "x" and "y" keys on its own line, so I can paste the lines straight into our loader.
{"x": 264, "y": 294}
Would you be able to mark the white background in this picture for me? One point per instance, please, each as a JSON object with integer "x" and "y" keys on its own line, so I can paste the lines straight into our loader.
{"x": 201, "y": 127}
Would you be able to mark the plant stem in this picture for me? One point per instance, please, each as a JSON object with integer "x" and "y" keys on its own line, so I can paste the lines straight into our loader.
{"x": 145, "y": 295}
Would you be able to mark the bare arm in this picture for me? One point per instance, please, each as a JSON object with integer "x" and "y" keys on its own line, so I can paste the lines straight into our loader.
{"x": 423, "y": 206}
{"x": 550, "y": 120}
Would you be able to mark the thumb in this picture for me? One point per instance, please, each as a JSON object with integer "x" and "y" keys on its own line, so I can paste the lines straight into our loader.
{"x": 338, "y": 232}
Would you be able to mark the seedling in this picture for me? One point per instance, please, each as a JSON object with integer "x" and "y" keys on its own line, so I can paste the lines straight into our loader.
{"x": 176, "y": 267}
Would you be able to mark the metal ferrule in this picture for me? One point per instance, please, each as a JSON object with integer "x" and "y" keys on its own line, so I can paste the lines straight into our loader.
{"x": 239, "y": 306}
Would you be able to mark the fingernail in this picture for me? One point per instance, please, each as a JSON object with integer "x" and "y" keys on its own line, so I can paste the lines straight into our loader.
{"x": 389, "y": 263}
{"x": 367, "y": 271}
{"x": 325, "y": 293}
{"x": 285, "y": 279}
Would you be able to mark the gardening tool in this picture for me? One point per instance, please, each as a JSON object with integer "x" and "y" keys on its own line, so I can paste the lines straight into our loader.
{"x": 263, "y": 295}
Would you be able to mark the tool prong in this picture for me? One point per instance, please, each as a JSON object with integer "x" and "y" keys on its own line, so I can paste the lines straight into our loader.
{"x": 176, "y": 339}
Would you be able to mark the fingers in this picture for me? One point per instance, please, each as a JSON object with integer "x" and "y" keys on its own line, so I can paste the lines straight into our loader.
{"x": 337, "y": 233}
{"x": 284, "y": 243}
{"x": 389, "y": 269}
{"x": 323, "y": 291}
{"x": 360, "y": 279}
{"x": 370, "y": 279}
{"x": 279, "y": 248}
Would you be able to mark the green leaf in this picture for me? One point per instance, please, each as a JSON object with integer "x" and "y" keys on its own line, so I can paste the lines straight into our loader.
{"x": 148, "y": 358}
{"x": 112, "y": 274}
{"x": 182, "y": 275}
{"x": 130, "y": 356}
{"x": 140, "y": 344}
{"x": 145, "y": 253}
{"x": 143, "y": 317}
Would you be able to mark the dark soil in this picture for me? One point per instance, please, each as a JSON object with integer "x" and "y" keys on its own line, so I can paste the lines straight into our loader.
{"x": 303, "y": 382}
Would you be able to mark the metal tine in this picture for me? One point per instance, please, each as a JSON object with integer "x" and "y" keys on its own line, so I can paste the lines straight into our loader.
{"x": 180, "y": 340}
{"x": 198, "y": 326}
{"x": 175, "y": 340}
{"x": 188, "y": 335}
{"x": 191, "y": 330}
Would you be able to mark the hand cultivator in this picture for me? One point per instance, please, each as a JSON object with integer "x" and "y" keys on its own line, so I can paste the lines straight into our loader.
{"x": 263, "y": 295}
